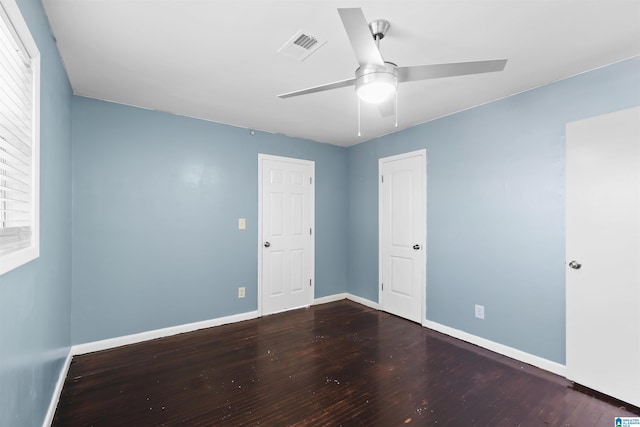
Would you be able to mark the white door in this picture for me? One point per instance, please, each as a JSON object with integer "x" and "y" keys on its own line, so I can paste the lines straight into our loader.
{"x": 603, "y": 253}
{"x": 402, "y": 199}
{"x": 286, "y": 221}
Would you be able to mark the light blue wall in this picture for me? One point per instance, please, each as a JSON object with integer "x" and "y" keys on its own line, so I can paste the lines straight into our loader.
{"x": 495, "y": 208}
{"x": 156, "y": 202}
{"x": 35, "y": 298}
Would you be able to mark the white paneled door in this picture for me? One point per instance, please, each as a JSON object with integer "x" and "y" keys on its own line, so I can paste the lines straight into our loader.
{"x": 286, "y": 252}
{"x": 603, "y": 253}
{"x": 402, "y": 216}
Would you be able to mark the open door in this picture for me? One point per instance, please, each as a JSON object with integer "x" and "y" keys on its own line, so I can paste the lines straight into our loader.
{"x": 603, "y": 253}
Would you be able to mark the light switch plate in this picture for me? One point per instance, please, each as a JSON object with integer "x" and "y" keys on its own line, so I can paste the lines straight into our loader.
{"x": 242, "y": 223}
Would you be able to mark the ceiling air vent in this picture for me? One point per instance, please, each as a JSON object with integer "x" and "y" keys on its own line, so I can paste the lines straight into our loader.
{"x": 305, "y": 41}
{"x": 301, "y": 45}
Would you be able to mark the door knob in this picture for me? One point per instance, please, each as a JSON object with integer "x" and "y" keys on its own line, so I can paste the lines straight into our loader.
{"x": 575, "y": 265}
{"x": 416, "y": 247}
{"x": 267, "y": 244}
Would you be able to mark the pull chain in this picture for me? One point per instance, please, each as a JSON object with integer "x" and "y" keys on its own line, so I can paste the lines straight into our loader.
{"x": 359, "y": 133}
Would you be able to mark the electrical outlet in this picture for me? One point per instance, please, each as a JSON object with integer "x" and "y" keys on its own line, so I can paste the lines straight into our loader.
{"x": 241, "y": 292}
{"x": 480, "y": 311}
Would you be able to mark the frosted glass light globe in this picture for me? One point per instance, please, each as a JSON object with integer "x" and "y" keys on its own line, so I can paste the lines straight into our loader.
{"x": 376, "y": 85}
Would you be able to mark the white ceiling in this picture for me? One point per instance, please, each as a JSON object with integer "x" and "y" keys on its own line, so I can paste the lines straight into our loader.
{"x": 217, "y": 60}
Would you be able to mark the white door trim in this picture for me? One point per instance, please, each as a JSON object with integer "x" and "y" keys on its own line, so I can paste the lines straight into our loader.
{"x": 261, "y": 158}
{"x": 422, "y": 239}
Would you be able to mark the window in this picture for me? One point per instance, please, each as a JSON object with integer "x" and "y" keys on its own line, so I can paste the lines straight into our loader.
{"x": 19, "y": 140}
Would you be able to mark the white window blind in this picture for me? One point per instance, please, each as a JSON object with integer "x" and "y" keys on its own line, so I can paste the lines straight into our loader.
{"x": 17, "y": 142}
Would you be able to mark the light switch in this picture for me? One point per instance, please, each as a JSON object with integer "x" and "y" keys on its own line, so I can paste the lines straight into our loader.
{"x": 242, "y": 223}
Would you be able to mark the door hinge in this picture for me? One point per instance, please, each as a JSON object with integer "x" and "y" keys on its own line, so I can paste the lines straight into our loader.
{"x": 310, "y": 232}
{"x": 382, "y": 286}
{"x": 310, "y": 180}
{"x": 309, "y": 282}
{"x": 382, "y": 178}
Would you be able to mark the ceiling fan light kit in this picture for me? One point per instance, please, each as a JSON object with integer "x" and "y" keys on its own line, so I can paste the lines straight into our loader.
{"x": 376, "y": 80}
{"x": 376, "y": 84}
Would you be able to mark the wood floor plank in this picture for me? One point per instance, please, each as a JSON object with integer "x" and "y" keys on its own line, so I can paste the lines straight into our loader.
{"x": 329, "y": 365}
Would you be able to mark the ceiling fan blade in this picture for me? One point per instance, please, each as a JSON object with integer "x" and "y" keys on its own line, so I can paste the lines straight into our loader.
{"x": 321, "y": 88}
{"x": 387, "y": 108}
{"x": 435, "y": 71}
{"x": 360, "y": 37}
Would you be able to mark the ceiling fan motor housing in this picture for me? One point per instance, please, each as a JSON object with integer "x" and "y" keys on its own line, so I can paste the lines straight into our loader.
{"x": 375, "y": 83}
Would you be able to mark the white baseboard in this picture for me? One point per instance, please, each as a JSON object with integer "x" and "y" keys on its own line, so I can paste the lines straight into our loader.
{"x": 189, "y": 327}
{"x": 350, "y": 297}
{"x": 505, "y": 350}
{"x": 330, "y": 298}
{"x": 57, "y": 391}
{"x": 363, "y": 301}
{"x": 511, "y": 352}
{"x": 159, "y": 333}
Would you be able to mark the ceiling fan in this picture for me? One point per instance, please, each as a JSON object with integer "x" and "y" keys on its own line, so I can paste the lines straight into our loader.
{"x": 376, "y": 80}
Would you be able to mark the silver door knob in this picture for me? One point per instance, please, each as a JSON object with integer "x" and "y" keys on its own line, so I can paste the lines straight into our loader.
{"x": 575, "y": 265}
{"x": 416, "y": 247}
{"x": 267, "y": 244}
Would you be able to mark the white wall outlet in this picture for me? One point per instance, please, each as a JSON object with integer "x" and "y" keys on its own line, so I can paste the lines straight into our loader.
{"x": 480, "y": 311}
{"x": 242, "y": 223}
{"x": 241, "y": 292}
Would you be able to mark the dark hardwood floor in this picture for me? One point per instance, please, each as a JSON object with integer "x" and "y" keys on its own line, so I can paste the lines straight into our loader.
{"x": 338, "y": 364}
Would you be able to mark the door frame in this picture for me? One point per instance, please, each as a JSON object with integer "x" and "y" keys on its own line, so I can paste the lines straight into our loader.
{"x": 312, "y": 221}
{"x": 423, "y": 238}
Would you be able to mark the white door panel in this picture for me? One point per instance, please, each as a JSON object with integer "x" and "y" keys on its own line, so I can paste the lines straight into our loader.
{"x": 402, "y": 235}
{"x": 603, "y": 236}
{"x": 401, "y": 279}
{"x": 286, "y": 253}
